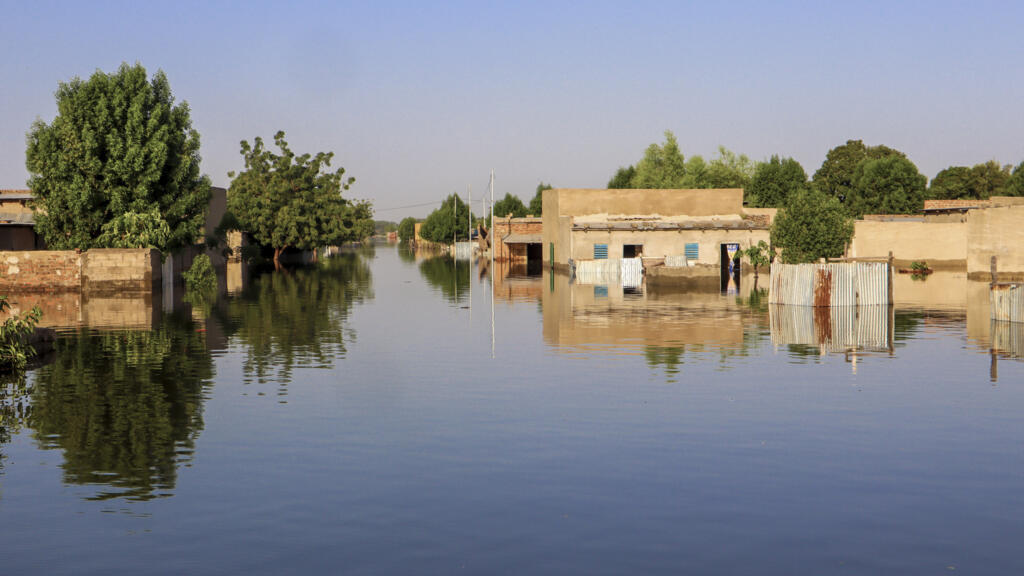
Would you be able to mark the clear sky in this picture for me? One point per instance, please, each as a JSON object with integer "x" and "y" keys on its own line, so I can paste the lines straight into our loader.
{"x": 419, "y": 100}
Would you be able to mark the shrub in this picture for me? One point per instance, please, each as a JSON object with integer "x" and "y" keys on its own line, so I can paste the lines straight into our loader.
{"x": 15, "y": 349}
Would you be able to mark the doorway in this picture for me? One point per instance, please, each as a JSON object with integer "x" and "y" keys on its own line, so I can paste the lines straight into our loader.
{"x": 632, "y": 250}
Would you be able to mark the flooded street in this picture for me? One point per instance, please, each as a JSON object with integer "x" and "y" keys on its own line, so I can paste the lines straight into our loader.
{"x": 367, "y": 417}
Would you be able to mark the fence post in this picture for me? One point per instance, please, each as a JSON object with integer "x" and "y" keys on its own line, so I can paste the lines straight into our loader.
{"x": 995, "y": 279}
{"x": 889, "y": 271}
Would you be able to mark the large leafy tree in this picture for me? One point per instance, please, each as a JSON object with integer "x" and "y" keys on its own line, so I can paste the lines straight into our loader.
{"x": 537, "y": 203}
{"x": 1015, "y": 186}
{"x": 774, "y": 181}
{"x": 509, "y": 206}
{"x": 118, "y": 166}
{"x": 835, "y": 177}
{"x": 288, "y": 201}
{"x": 623, "y": 178}
{"x": 728, "y": 170}
{"x": 406, "y": 229}
{"x": 811, "y": 225}
{"x": 448, "y": 221}
{"x": 977, "y": 182}
{"x": 889, "y": 185}
{"x": 664, "y": 166}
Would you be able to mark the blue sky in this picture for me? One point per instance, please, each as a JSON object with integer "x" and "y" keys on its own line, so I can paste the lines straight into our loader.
{"x": 418, "y": 100}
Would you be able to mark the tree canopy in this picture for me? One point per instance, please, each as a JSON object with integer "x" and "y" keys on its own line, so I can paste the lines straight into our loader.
{"x": 284, "y": 200}
{"x": 811, "y": 225}
{"x": 977, "y": 182}
{"x": 118, "y": 166}
{"x": 1015, "y": 186}
{"x": 406, "y": 229}
{"x": 888, "y": 185}
{"x": 509, "y": 206}
{"x": 664, "y": 166}
{"x": 442, "y": 224}
{"x": 537, "y": 203}
{"x": 835, "y": 177}
{"x": 773, "y": 181}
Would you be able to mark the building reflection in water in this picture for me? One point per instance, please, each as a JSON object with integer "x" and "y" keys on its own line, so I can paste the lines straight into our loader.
{"x": 662, "y": 323}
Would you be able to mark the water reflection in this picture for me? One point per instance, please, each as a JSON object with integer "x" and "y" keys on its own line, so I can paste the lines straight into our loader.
{"x": 831, "y": 329}
{"x": 447, "y": 276}
{"x": 297, "y": 317}
{"x": 663, "y": 323}
{"x": 124, "y": 406}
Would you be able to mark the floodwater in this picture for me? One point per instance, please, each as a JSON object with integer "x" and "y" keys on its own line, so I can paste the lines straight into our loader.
{"x": 368, "y": 417}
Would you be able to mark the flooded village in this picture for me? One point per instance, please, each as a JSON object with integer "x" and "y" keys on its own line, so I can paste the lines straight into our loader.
{"x": 511, "y": 289}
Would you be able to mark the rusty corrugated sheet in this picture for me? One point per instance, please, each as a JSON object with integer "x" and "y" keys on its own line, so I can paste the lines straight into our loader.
{"x": 832, "y": 284}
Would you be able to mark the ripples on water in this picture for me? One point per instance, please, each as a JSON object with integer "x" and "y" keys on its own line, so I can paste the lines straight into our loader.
{"x": 350, "y": 418}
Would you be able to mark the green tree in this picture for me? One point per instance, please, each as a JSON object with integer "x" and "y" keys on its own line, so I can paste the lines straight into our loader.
{"x": 1015, "y": 186}
{"x": 284, "y": 200}
{"x": 811, "y": 225}
{"x": 889, "y": 185}
{"x": 623, "y": 178}
{"x": 119, "y": 161}
{"x": 979, "y": 182}
{"x": 537, "y": 203}
{"x": 663, "y": 166}
{"x": 774, "y": 181}
{"x": 509, "y": 206}
{"x": 728, "y": 170}
{"x": 406, "y": 229}
{"x": 835, "y": 177}
{"x": 758, "y": 255}
{"x": 445, "y": 222}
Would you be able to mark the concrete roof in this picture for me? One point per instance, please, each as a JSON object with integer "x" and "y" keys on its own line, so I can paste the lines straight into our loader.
{"x": 522, "y": 239}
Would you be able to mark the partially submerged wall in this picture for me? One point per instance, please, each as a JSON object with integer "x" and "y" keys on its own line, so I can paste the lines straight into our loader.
{"x": 943, "y": 245}
{"x": 98, "y": 270}
{"x": 998, "y": 232}
{"x": 41, "y": 270}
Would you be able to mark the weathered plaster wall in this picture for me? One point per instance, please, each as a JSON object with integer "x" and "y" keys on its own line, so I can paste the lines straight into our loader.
{"x": 942, "y": 244}
{"x": 996, "y": 232}
{"x": 660, "y": 243}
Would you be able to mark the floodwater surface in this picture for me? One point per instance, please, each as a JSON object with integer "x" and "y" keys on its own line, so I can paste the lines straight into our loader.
{"x": 376, "y": 414}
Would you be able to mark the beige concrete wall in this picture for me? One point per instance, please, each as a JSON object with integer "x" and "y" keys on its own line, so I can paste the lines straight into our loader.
{"x": 215, "y": 211}
{"x": 996, "y": 232}
{"x": 116, "y": 269}
{"x": 660, "y": 243}
{"x": 695, "y": 203}
{"x": 562, "y": 204}
{"x": 942, "y": 244}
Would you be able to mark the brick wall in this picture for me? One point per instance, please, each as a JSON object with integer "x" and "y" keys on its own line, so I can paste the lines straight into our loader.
{"x": 506, "y": 226}
{"x": 41, "y": 270}
{"x": 112, "y": 270}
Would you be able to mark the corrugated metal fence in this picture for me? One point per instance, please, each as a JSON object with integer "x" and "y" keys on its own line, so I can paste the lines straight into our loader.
{"x": 1007, "y": 302}
{"x": 627, "y": 271}
{"x": 831, "y": 284}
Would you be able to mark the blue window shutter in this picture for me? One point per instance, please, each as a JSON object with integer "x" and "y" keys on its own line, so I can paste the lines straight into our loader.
{"x": 692, "y": 252}
{"x": 600, "y": 251}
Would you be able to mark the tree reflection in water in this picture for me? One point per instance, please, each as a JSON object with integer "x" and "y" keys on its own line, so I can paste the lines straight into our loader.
{"x": 124, "y": 406}
{"x": 296, "y": 318}
{"x": 448, "y": 276}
